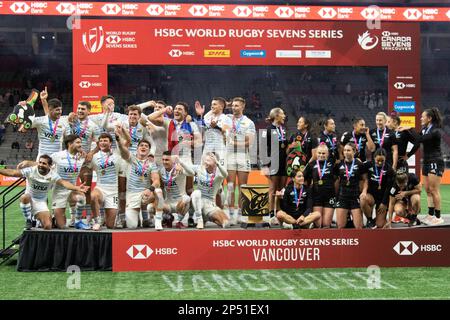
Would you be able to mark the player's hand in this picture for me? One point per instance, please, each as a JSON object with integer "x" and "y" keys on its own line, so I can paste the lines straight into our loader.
{"x": 387, "y": 225}
{"x": 43, "y": 94}
{"x": 400, "y": 195}
{"x": 175, "y": 158}
{"x": 300, "y": 219}
{"x": 22, "y": 165}
{"x": 188, "y": 118}
{"x": 278, "y": 194}
{"x": 213, "y": 123}
{"x": 178, "y": 169}
{"x": 83, "y": 154}
{"x": 265, "y": 171}
{"x": 363, "y": 196}
{"x": 83, "y": 188}
{"x": 199, "y": 109}
{"x": 22, "y": 103}
{"x": 72, "y": 117}
{"x": 169, "y": 110}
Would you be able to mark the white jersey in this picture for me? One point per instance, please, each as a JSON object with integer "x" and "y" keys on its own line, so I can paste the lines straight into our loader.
{"x": 174, "y": 184}
{"x": 139, "y": 174}
{"x": 87, "y": 130}
{"x": 106, "y": 166}
{"x": 50, "y": 134}
{"x": 67, "y": 166}
{"x": 137, "y": 133}
{"x": 214, "y": 138}
{"x": 38, "y": 186}
{"x": 208, "y": 183}
{"x": 113, "y": 119}
{"x": 240, "y": 128}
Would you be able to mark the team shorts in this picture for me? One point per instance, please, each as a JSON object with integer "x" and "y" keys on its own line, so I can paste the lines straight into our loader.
{"x": 435, "y": 166}
{"x": 110, "y": 196}
{"x": 347, "y": 203}
{"x": 60, "y": 198}
{"x": 324, "y": 199}
{"x": 38, "y": 206}
{"x": 238, "y": 162}
{"x": 124, "y": 167}
{"x": 209, "y": 208}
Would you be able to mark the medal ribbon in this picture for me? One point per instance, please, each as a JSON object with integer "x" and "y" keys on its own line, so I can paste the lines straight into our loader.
{"x": 50, "y": 126}
{"x": 358, "y": 144}
{"x": 296, "y": 197}
{"x": 70, "y": 163}
{"x": 321, "y": 172}
{"x": 381, "y": 141}
{"x": 347, "y": 173}
{"x": 380, "y": 175}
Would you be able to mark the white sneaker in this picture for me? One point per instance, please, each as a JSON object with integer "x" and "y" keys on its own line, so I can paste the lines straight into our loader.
{"x": 96, "y": 227}
{"x": 435, "y": 221}
{"x": 200, "y": 224}
{"x": 233, "y": 220}
{"x": 226, "y": 224}
{"x": 158, "y": 224}
{"x": 287, "y": 226}
{"x": 274, "y": 221}
{"x": 427, "y": 219}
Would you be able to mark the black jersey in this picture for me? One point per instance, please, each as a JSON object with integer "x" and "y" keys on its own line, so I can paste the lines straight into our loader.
{"x": 306, "y": 142}
{"x": 375, "y": 174}
{"x": 349, "y": 185}
{"x": 384, "y": 139}
{"x": 403, "y": 138}
{"x": 413, "y": 181}
{"x": 296, "y": 202}
{"x": 431, "y": 139}
{"x": 311, "y": 173}
{"x": 332, "y": 143}
{"x": 360, "y": 140}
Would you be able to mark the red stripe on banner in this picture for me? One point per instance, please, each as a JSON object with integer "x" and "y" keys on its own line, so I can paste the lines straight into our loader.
{"x": 227, "y": 11}
{"x": 274, "y": 249}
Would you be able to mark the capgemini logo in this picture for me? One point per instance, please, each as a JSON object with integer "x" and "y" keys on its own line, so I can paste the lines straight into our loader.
{"x": 366, "y": 41}
{"x": 93, "y": 40}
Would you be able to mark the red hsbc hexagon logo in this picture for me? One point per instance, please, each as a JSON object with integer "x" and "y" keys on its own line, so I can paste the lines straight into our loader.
{"x": 175, "y": 53}
{"x": 242, "y": 11}
{"x": 370, "y": 13}
{"x": 412, "y": 14}
{"x": 65, "y": 8}
{"x": 139, "y": 252}
{"x": 84, "y": 84}
{"x": 19, "y": 7}
{"x": 284, "y": 12}
{"x": 113, "y": 39}
{"x": 198, "y": 10}
{"x": 111, "y": 8}
{"x": 327, "y": 13}
{"x": 155, "y": 9}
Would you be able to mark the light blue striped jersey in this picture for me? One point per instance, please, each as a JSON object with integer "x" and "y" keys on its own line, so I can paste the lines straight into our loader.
{"x": 214, "y": 138}
{"x": 114, "y": 118}
{"x": 87, "y": 130}
{"x": 139, "y": 174}
{"x": 50, "y": 134}
{"x": 239, "y": 129}
{"x": 67, "y": 166}
{"x": 208, "y": 183}
{"x": 39, "y": 186}
{"x": 137, "y": 133}
{"x": 174, "y": 184}
{"x": 107, "y": 168}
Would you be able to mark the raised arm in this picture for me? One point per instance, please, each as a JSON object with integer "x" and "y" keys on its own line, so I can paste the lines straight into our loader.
{"x": 11, "y": 173}
{"x": 122, "y": 143}
{"x": 44, "y": 95}
{"x": 66, "y": 184}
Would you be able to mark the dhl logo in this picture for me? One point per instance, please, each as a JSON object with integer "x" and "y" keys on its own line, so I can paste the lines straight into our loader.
{"x": 217, "y": 53}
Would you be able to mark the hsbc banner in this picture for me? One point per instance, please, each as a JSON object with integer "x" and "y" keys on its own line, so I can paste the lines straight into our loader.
{"x": 184, "y": 42}
{"x": 273, "y": 249}
{"x": 230, "y": 11}
{"x": 90, "y": 84}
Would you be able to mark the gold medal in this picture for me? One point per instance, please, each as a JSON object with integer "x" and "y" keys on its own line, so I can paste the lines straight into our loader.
{"x": 320, "y": 182}
{"x": 52, "y": 139}
{"x": 379, "y": 187}
{"x": 142, "y": 178}
{"x": 103, "y": 172}
{"x": 282, "y": 146}
{"x": 348, "y": 183}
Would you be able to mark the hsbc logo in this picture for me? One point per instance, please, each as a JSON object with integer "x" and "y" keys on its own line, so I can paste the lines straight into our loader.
{"x": 84, "y": 84}
{"x": 412, "y": 14}
{"x": 19, "y": 7}
{"x": 327, "y": 13}
{"x": 113, "y": 39}
{"x": 370, "y": 13}
{"x": 139, "y": 252}
{"x": 155, "y": 9}
{"x": 93, "y": 39}
{"x": 111, "y": 8}
{"x": 405, "y": 248}
{"x": 242, "y": 11}
{"x": 198, "y": 10}
{"x": 65, "y": 8}
{"x": 284, "y": 12}
{"x": 175, "y": 53}
{"x": 401, "y": 85}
